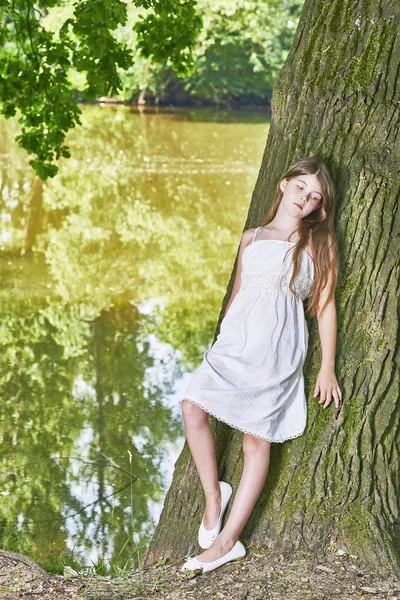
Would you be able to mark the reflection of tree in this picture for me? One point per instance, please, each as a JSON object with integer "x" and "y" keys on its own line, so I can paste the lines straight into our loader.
{"x": 46, "y": 351}
{"x": 128, "y": 226}
{"x": 35, "y": 216}
{"x": 144, "y": 216}
{"x": 133, "y": 215}
{"x": 126, "y": 406}
{"x": 40, "y": 352}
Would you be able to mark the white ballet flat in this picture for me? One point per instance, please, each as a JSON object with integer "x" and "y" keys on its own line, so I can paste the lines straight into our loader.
{"x": 207, "y": 536}
{"x": 237, "y": 552}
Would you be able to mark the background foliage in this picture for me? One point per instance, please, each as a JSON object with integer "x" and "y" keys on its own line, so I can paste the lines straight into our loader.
{"x": 35, "y": 61}
{"x": 57, "y": 53}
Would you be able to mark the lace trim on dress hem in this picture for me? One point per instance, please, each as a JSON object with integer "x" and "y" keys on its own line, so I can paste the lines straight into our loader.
{"x": 268, "y": 439}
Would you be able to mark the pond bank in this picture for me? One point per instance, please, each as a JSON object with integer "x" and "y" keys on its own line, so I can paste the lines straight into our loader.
{"x": 264, "y": 574}
{"x": 264, "y": 107}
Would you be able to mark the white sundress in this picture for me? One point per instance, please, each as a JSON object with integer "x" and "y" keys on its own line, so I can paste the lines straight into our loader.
{"x": 251, "y": 378}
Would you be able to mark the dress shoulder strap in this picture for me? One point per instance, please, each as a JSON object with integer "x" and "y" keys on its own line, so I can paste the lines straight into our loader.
{"x": 255, "y": 233}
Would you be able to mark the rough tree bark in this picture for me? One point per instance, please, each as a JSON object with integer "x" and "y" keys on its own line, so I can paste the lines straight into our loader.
{"x": 337, "y": 97}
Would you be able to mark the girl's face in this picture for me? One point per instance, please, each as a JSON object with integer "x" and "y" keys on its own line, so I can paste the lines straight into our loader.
{"x": 301, "y": 195}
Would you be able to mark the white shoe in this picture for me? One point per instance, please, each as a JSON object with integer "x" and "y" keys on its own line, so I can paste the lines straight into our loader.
{"x": 207, "y": 536}
{"x": 237, "y": 552}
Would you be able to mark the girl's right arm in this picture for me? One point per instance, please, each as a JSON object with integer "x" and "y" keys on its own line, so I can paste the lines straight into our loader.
{"x": 247, "y": 236}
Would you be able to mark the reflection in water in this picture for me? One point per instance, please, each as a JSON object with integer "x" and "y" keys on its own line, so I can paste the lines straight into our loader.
{"x": 113, "y": 276}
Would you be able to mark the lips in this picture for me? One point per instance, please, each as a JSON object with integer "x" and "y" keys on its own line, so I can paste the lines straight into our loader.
{"x": 298, "y": 205}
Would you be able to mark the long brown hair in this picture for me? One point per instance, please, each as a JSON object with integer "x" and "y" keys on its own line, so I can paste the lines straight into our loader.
{"x": 318, "y": 227}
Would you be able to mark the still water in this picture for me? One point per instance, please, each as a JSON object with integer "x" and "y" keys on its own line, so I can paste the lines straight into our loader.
{"x": 113, "y": 276}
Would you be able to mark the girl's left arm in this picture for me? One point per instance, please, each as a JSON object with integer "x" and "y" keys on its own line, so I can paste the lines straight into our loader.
{"x": 326, "y": 384}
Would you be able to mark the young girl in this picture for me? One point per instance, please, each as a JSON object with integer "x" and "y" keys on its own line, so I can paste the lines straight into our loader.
{"x": 252, "y": 377}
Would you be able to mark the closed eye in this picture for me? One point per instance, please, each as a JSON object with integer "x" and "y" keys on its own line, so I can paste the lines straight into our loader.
{"x": 301, "y": 188}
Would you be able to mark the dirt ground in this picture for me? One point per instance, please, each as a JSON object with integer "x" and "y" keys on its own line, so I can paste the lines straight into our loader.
{"x": 263, "y": 574}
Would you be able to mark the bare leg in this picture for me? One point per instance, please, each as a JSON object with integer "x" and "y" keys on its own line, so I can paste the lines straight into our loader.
{"x": 255, "y": 469}
{"x": 201, "y": 444}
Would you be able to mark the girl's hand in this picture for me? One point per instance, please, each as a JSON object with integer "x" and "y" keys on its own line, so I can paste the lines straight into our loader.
{"x": 327, "y": 386}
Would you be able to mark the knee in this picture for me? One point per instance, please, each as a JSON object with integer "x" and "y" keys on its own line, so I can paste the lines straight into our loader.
{"x": 192, "y": 413}
{"x": 254, "y": 445}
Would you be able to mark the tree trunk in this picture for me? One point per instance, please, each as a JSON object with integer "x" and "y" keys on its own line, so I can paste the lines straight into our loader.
{"x": 35, "y": 215}
{"x": 142, "y": 99}
{"x": 336, "y": 97}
